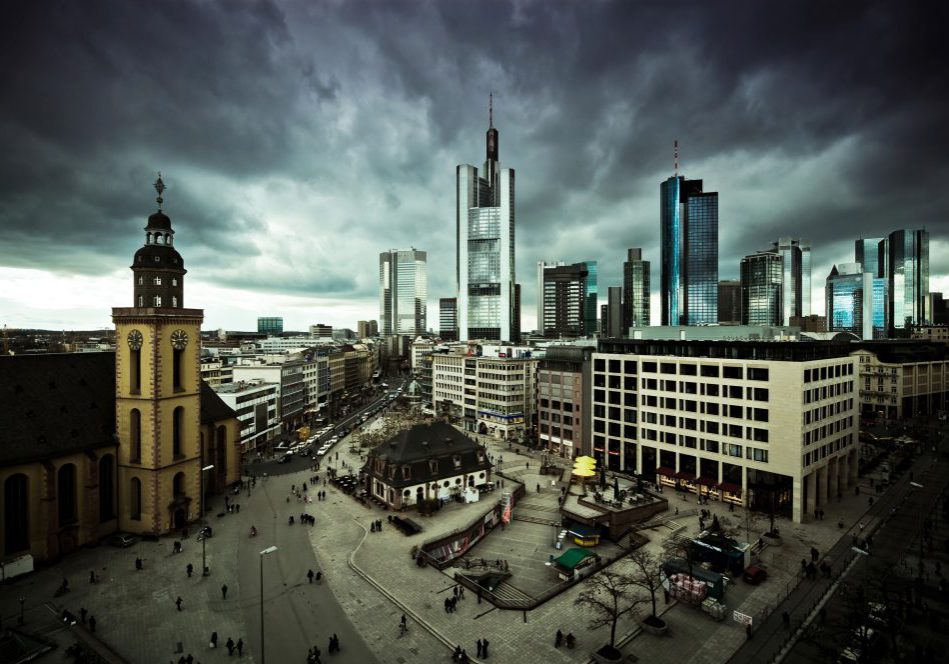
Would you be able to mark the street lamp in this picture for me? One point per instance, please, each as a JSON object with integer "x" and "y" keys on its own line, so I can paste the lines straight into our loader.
{"x": 265, "y": 552}
{"x": 19, "y": 620}
{"x": 204, "y": 537}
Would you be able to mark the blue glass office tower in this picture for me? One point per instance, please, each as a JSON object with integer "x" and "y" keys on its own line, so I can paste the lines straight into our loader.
{"x": 866, "y": 252}
{"x": 907, "y": 271}
{"x": 689, "y": 238}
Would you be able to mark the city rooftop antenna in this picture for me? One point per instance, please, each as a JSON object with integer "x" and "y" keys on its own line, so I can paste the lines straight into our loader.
{"x": 490, "y": 109}
{"x": 675, "y": 153}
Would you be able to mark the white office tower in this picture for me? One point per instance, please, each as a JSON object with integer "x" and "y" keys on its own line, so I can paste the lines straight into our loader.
{"x": 484, "y": 267}
{"x": 403, "y": 291}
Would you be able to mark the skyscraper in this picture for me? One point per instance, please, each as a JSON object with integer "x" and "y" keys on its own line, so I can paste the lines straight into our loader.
{"x": 484, "y": 265}
{"x": 795, "y": 277}
{"x": 689, "y": 237}
{"x": 729, "y": 302}
{"x": 541, "y": 266}
{"x": 856, "y": 301}
{"x": 866, "y": 251}
{"x": 569, "y": 297}
{"x": 614, "y": 313}
{"x": 906, "y": 254}
{"x": 403, "y": 291}
{"x": 636, "y": 276}
{"x": 448, "y": 318}
{"x": 761, "y": 293}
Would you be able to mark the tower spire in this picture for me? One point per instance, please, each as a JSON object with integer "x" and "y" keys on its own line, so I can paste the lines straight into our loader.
{"x": 490, "y": 109}
{"x": 675, "y": 156}
{"x": 160, "y": 188}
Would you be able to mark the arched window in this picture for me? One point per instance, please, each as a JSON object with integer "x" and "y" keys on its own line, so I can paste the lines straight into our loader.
{"x": 177, "y": 428}
{"x": 106, "y": 488}
{"x": 167, "y": 238}
{"x": 135, "y": 499}
{"x": 16, "y": 513}
{"x": 135, "y": 436}
{"x": 148, "y": 238}
{"x": 178, "y": 485}
{"x": 66, "y": 494}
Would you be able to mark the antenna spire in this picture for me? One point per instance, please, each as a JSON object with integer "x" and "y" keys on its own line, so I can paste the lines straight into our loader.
{"x": 675, "y": 156}
{"x": 160, "y": 188}
{"x": 490, "y": 109}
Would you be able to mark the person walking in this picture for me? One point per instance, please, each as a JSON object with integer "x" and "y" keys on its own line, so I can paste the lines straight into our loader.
{"x": 230, "y": 646}
{"x": 335, "y": 642}
{"x": 189, "y": 569}
{"x": 224, "y": 591}
{"x": 82, "y": 615}
{"x": 240, "y": 647}
{"x": 478, "y": 642}
{"x": 213, "y": 642}
{"x": 558, "y": 639}
{"x": 178, "y": 602}
{"x": 484, "y": 648}
{"x": 309, "y": 575}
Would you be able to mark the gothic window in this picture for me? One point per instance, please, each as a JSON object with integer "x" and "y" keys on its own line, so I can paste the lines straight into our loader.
{"x": 135, "y": 499}
{"x": 16, "y": 513}
{"x": 106, "y": 488}
{"x": 135, "y": 436}
{"x": 66, "y": 494}
{"x": 177, "y": 427}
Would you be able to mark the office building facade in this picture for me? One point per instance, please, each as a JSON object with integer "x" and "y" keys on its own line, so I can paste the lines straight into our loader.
{"x": 563, "y": 397}
{"x": 906, "y": 256}
{"x": 637, "y": 307}
{"x": 484, "y": 260}
{"x": 270, "y": 325}
{"x": 856, "y": 302}
{"x": 403, "y": 291}
{"x": 448, "y": 318}
{"x": 761, "y": 292}
{"x": 689, "y": 239}
{"x": 569, "y": 299}
{"x": 729, "y": 302}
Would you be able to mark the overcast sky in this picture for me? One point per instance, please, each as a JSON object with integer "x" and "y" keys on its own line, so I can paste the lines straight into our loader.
{"x": 300, "y": 139}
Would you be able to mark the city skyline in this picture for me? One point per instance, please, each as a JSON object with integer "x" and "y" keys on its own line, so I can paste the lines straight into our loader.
{"x": 285, "y": 180}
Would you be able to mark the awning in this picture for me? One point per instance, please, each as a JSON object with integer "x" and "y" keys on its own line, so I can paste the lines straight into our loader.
{"x": 707, "y": 481}
{"x": 729, "y": 487}
{"x": 684, "y": 475}
{"x": 665, "y": 470}
{"x": 573, "y": 557}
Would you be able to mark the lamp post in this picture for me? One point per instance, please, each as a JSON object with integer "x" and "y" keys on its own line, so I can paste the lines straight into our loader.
{"x": 19, "y": 621}
{"x": 265, "y": 552}
{"x": 204, "y": 537}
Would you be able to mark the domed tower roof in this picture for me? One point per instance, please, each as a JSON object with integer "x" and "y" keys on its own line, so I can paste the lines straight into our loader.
{"x": 157, "y": 266}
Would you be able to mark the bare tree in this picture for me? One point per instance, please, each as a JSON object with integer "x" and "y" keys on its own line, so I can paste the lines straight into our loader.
{"x": 609, "y": 594}
{"x": 647, "y": 575}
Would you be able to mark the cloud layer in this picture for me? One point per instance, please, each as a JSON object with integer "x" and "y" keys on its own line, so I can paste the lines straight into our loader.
{"x": 300, "y": 139}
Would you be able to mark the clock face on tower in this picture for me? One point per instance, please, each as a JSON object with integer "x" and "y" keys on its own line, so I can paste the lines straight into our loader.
{"x": 179, "y": 339}
{"x": 135, "y": 340}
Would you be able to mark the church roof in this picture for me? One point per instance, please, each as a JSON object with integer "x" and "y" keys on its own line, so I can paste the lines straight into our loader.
{"x": 61, "y": 403}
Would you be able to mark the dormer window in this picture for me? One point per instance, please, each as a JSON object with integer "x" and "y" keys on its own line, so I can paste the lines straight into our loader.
{"x": 433, "y": 466}
{"x": 457, "y": 460}
{"x": 406, "y": 472}
{"x": 392, "y": 472}
{"x": 480, "y": 455}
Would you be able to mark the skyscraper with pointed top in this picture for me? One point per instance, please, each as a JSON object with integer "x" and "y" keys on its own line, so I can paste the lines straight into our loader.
{"x": 484, "y": 256}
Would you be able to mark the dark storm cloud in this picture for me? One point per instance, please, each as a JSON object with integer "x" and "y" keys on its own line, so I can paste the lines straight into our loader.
{"x": 299, "y": 139}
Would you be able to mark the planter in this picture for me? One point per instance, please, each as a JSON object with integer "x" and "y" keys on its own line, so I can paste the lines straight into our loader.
{"x": 607, "y": 655}
{"x": 654, "y": 625}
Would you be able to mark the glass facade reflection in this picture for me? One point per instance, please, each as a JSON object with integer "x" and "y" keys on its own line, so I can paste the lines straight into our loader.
{"x": 761, "y": 289}
{"x": 403, "y": 291}
{"x": 856, "y": 302}
{"x": 907, "y": 253}
{"x": 795, "y": 278}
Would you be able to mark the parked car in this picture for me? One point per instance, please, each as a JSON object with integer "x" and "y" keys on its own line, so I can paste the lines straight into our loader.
{"x": 286, "y": 458}
{"x": 755, "y": 575}
{"x": 121, "y": 540}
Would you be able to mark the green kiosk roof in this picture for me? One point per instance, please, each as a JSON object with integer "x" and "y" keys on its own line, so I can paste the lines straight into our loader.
{"x": 573, "y": 557}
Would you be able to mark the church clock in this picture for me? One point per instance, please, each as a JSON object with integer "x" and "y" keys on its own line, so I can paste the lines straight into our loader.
{"x": 135, "y": 340}
{"x": 179, "y": 339}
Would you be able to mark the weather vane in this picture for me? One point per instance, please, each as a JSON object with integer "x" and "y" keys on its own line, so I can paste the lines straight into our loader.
{"x": 159, "y": 187}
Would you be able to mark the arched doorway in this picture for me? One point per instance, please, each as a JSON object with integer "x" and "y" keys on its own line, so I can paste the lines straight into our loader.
{"x": 419, "y": 495}
{"x": 16, "y": 514}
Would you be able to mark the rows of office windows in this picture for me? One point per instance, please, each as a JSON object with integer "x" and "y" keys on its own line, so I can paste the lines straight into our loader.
{"x": 824, "y": 373}
{"x": 831, "y": 447}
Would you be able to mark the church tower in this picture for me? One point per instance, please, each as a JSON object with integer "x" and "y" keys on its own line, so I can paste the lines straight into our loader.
{"x": 158, "y": 389}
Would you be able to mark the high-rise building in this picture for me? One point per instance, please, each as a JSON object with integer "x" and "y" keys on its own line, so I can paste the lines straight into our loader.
{"x": 637, "y": 308}
{"x": 729, "y": 302}
{"x": 866, "y": 251}
{"x": 321, "y": 331}
{"x": 403, "y": 291}
{"x": 569, "y": 295}
{"x": 761, "y": 275}
{"x": 614, "y": 313}
{"x": 689, "y": 237}
{"x": 541, "y": 267}
{"x": 906, "y": 265}
{"x": 795, "y": 277}
{"x": 366, "y": 328}
{"x": 849, "y": 296}
{"x": 484, "y": 268}
{"x": 448, "y": 318}
{"x": 270, "y": 325}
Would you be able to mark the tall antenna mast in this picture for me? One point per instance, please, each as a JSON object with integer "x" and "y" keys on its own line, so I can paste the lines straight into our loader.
{"x": 675, "y": 156}
{"x": 490, "y": 109}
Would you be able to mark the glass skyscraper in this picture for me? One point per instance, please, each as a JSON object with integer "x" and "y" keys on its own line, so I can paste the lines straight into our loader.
{"x": 689, "y": 238}
{"x": 403, "y": 291}
{"x": 856, "y": 301}
{"x": 907, "y": 271}
{"x": 795, "y": 278}
{"x": 484, "y": 255}
{"x": 636, "y": 304}
{"x": 866, "y": 251}
{"x": 761, "y": 292}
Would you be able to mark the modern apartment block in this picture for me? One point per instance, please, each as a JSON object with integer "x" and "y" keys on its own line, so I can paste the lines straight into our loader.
{"x": 484, "y": 268}
{"x": 448, "y": 318}
{"x": 403, "y": 291}
{"x": 903, "y": 378}
{"x": 563, "y": 399}
{"x": 689, "y": 238}
{"x": 270, "y": 325}
{"x": 489, "y": 395}
{"x": 742, "y": 422}
{"x": 637, "y": 306}
{"x": 568, "y": 300}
